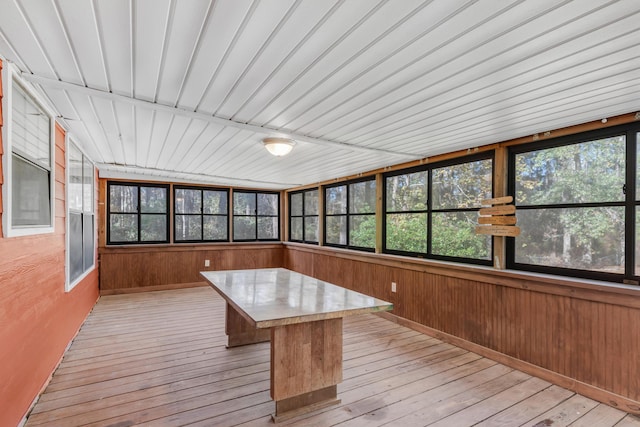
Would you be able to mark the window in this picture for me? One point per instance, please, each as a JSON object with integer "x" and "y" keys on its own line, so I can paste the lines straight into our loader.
{"x": 457, "y": 191}
{"x": 256, "y": 216}
{"x": 575, "y": 200}
{"x": 81, "y": 220}
{"x": 303, "y": 216}
{"x": 350, "y": 219}
{"x": 29, "y": 163}
{"x": 201, "y": 214}
{"x": 431, "y": 211}
{"x": 406, "y": 212}
{"x": 137, "y": 213}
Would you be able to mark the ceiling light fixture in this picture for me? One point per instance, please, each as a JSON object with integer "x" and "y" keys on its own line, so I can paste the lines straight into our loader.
{"x": 278, "y": 146}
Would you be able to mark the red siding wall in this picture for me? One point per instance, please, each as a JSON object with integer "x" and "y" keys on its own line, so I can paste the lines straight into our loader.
{"x": 37, "y": 317}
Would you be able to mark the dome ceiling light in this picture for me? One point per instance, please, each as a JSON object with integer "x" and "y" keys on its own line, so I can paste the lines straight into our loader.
{"x": 278, "y": 146}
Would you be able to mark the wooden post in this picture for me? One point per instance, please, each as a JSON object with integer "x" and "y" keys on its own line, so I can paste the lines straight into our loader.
{"x": 500, "y": 190}
{"x": 379, "y": 211}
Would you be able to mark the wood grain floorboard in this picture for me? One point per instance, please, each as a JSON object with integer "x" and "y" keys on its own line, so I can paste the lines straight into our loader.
{"x": 159, "y": 359}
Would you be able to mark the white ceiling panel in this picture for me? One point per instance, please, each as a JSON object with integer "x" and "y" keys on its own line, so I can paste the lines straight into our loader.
{"x": 186, "y": 90}
{"x": 114, "y": 20}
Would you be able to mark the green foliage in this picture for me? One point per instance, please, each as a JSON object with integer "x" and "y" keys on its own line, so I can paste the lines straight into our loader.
{"x": 573, "y": 237}
{"x": 454, "y": 235}
{"x": 407, "y": 232}
{"x": 363, "y": 231}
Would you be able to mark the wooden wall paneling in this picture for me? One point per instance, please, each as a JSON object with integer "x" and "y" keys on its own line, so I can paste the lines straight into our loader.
{"x": 583, "y": 338}
{"x": 299, "y": 261}
{"x": 168, "y": 267}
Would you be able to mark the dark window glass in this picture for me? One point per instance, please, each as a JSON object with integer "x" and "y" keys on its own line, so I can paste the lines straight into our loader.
{"x": 406, "y": 212}
{"x": 457, "y": 191}
{"x": 350, "y": 215}
{"x": 570, "y": 202}
{"x": 137, "y": 213}
{"x": 432, "y": 211}
{"x": 30, "y": 194}
{"x": 303, "y": 216}
{"x": 256, "y": 216}
{"x": 200, "y": 214}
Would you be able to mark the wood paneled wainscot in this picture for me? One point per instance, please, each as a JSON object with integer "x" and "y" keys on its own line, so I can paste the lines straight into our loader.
{"x": 157, "y": 267}
{"x": 580, "y": 335}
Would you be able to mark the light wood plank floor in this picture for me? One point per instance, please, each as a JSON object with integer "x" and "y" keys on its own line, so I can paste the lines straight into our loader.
{"x": 159, "y": 359}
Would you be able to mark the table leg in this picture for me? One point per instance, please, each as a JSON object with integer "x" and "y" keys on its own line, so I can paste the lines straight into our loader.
{"x": 306, "y": 366}
{"x": 240, "y": 332}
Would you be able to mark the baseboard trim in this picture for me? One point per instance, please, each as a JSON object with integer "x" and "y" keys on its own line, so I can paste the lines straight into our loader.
{"x": 590, "y": 391}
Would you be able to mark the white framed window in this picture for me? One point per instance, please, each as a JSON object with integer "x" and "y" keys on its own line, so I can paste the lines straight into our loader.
{"x": 28, "y": 161}
{"x": 80, "y": 234}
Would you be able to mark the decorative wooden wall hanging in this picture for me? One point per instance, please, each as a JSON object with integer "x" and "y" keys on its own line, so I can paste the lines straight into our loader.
{"x": 498, "y": 219}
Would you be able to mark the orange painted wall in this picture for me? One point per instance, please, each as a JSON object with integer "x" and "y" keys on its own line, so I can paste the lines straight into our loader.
{"x": 38, "y": 318}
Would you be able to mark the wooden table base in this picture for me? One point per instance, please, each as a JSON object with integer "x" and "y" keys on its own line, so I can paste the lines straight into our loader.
{"x": 240, "y": 332}
{"x": 306, "y": 366}
{"x": 305, "y": 403}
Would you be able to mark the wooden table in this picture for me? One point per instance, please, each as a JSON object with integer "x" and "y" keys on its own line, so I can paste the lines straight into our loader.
{"x": 302, "y": 317}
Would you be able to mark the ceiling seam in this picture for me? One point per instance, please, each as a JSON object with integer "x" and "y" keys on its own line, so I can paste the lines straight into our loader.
{"x": 188, "y": 166}
{"x": 65, "y": 32}
{"x": 165, "y": 43}
{"x": 196, "y": 50}
{"x": 293, "y": 51}
{"x": 36, "y": 38}
{"x": 178, "y": 142}
{"x": 82, "y": 123}
{"x": 216, "y": 148}
{"x": 103, "y": 59}
{"x": 349, "y": 61}
{"x": 15, "y": 53}
{"x": 132, "y": 46}
{"x": 164, "y": 141}
{"x": 234, "y": 40}
{"x": 258, "y": 54}
{"x": 313, "y": 63}
{"x": 134, "y": 118}
{"x": 150, "y": 139}
{"x": 118, "y": 130}
{"x": 101, "y": 125}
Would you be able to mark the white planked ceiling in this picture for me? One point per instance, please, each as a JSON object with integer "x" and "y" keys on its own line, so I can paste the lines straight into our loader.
{"x": 185, "y": 90}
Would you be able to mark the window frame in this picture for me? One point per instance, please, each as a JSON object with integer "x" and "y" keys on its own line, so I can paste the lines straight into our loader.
{"x": 347, "y": 215}
{"x": 255, "y": 215}
{"x": 304, "y": 216}
{"x": 202, "y": 215}
{"x": 428, "y": 168}
{"x": 9, "y": 78}
{"x": 138, "y": 185}
{"x": 71, "y": 283}
{"x": 629, "y": 204}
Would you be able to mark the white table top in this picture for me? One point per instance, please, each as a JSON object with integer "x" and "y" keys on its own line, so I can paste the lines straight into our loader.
{"x": 269, "y": 297}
